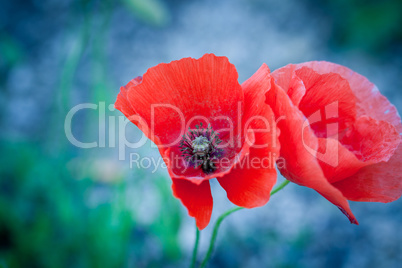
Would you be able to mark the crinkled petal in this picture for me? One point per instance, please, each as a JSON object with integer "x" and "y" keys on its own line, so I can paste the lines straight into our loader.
{"x": 369, "y": 100}
{"x": 196, "y": 198}
{"x": 251, "y": 180}
{"x": 380, "y": 182}
{"x": 122, "y": 103}
{"x": 173, "y": 97}
{"x": 336, "y": 161}
{"x": 329, "y": 100}
{"x": 372, "y": 140}
{"x": 287, "y": 79}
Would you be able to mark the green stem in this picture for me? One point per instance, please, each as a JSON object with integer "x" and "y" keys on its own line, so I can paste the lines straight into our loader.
{"x": 215, "y": 233}
{"x": 197, "y": 240}
{"x": 280, "y": 187}
{"x": 222, "y": 217}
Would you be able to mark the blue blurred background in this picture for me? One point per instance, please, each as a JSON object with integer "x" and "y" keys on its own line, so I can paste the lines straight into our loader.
{"x": 65, "y": 206}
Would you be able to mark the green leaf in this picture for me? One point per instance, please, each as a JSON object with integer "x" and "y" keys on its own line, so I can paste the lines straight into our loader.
{"x": 152, "y": 12}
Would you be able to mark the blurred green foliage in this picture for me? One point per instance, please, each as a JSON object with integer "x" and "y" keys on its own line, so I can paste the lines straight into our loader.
{"x": 369, "y": 25}
{"x": 47, "y": 220}
{"x": 153, "y": 12}
{"x": 10, "y": 50}
{"x": 47, "y": 215}
{"x": 10, "y": 54}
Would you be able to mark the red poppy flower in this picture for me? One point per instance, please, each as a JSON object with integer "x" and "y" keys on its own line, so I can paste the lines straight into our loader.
{"x": 206, "y": 125}
{"x": 339, "y": 135}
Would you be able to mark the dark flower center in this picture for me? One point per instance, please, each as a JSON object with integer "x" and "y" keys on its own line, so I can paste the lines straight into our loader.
{"x": 199, "y": 148}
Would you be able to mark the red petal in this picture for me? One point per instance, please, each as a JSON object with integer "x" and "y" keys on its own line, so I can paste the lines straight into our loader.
{"x": 380, "y": 182}
{"x": 297, "y": 90}
{"x": 370, "y": 142}
{"x": 284, "y": 76}
{"x": 122, "y": 103}
{"x": 196, "y": 198}
{"x": 369, "y": 100}
{"x": 183, "y": 93}
{"x": 287, "y": 79}
{"x": 336, "y": 161}
{"x": 250, "y": 182}
{"x": 329, "y": 97}
{"x": 299, "y": 147}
